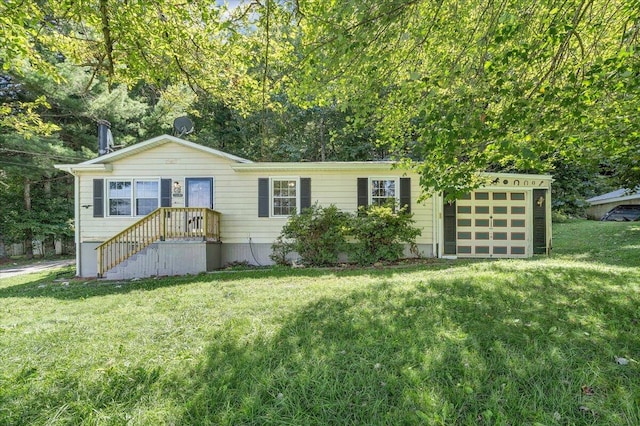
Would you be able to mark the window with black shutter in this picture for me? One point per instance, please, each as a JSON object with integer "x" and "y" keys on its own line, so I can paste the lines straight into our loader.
{"x": 98, "y": 198}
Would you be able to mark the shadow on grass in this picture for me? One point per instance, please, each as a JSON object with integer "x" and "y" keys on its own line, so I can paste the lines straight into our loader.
{"x": 488, "y": 347}
{"x": 449, "y": 351}
{"x": 61, "y": 284}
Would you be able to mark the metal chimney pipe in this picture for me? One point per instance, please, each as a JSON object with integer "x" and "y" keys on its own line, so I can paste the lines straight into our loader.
{"x": 104, "y": 134}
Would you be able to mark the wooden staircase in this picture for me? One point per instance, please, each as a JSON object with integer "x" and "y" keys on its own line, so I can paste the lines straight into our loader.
{"x": 164, "y": 223}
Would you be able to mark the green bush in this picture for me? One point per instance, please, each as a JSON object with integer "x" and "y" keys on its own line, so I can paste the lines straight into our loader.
{"x": 559, "y": 217}
{"x": 317, "y": 235}
{"x": 380, "y": 233}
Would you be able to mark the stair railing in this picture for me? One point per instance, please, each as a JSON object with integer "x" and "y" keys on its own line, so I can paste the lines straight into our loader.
{"x": 164, "y": 223}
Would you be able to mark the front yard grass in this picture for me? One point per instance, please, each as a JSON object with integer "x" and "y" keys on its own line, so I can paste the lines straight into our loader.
{"x": 539, "y": 341}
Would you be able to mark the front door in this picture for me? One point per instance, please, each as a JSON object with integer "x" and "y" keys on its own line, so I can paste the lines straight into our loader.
{"x": 199, "y": 192}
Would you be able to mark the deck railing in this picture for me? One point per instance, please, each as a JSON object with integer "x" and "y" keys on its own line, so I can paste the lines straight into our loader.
{"x": 164, "y": 223}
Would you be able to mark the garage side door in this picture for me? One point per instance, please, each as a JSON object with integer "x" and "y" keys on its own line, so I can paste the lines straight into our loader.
{"x": 493, "y": 224}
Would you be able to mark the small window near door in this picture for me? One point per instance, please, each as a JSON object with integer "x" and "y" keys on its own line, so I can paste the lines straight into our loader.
{"x": 147, "y": 193}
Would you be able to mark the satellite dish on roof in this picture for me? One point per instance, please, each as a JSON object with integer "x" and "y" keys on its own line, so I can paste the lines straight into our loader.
{"x": 182, "y": 126}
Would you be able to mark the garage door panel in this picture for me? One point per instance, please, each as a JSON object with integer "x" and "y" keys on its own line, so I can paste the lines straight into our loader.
{"x": 492, "y": 224}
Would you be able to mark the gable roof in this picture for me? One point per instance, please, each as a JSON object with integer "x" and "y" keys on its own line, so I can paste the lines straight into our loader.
{"x": 161, "y": 140}
{"x": 621, "y": 194}
{"x": 103, "y": 162}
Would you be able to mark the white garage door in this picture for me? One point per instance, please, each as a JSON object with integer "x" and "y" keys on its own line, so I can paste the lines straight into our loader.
{"x": 493, "y": 224}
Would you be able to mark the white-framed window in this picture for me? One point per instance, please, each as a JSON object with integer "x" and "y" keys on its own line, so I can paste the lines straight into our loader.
{"x": 147, "y": 194}
{"x": 284, "y": 196}
{"x": 383, "y": 191}
{"x": 132, "y": 197}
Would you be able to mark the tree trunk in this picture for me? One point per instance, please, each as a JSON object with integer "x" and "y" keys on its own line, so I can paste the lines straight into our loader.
{"x": 28, "y": 237}
{"x": 49, "y": 242}
{"x": 323, "y": 144}
{"x": 3, "y": 250}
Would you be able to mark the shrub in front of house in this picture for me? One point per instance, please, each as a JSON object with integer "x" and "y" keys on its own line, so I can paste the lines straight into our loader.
{"x": 380, "y": 233}
{"x": 316, "y": 235}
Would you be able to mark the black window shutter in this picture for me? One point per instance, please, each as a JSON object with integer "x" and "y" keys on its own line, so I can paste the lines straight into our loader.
{"x": 263, "y": 197}
{"x": 305, "y": 193}
{"x": 98, "y": 198}
{"x": 405, "y": 194}
{"x": 539, "y": 221}
{"x": 449, "y": 222}
{"x": 165, "y": 192}
{"x": 363, "y": 192}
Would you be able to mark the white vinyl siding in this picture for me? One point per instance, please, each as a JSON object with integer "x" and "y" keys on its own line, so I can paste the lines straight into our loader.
{"x": 236, "y": 192}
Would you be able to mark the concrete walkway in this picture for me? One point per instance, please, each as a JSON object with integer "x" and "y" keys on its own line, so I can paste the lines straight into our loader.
{"x": 34, "y": 267}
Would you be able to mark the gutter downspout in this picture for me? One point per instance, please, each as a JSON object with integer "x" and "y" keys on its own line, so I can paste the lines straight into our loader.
{"x": 549, "y": 224}
{"x": 434, "y": 227}
{"x": 436, "y": 220}
{"x": 76, "y": 213}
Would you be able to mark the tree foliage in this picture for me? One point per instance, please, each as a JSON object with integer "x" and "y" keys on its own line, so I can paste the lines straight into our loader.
{"x": 473, "y": 86}
{"x": 446, "y": 87}
{"x": 36, "y": 200}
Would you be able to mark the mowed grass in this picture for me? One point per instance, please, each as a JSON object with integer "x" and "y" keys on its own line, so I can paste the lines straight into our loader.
{"x": 518, "y": 342}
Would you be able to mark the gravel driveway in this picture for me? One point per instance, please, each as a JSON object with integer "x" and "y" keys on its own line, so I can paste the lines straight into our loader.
{"x": 34, "y": 267}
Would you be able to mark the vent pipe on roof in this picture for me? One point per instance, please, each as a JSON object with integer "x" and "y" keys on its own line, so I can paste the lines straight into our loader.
{"x": 105, "y": 139}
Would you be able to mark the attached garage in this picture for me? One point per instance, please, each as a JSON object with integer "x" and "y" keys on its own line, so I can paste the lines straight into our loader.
{"x": 511, "y": 218}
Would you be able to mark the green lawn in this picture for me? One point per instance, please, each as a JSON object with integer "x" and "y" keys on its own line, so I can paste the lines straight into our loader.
{"x": 519, "y": 342}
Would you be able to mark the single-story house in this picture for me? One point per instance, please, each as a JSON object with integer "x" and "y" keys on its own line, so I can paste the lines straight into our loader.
{"x": 167, "y": 206}
{"x": 601, "y": 204}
